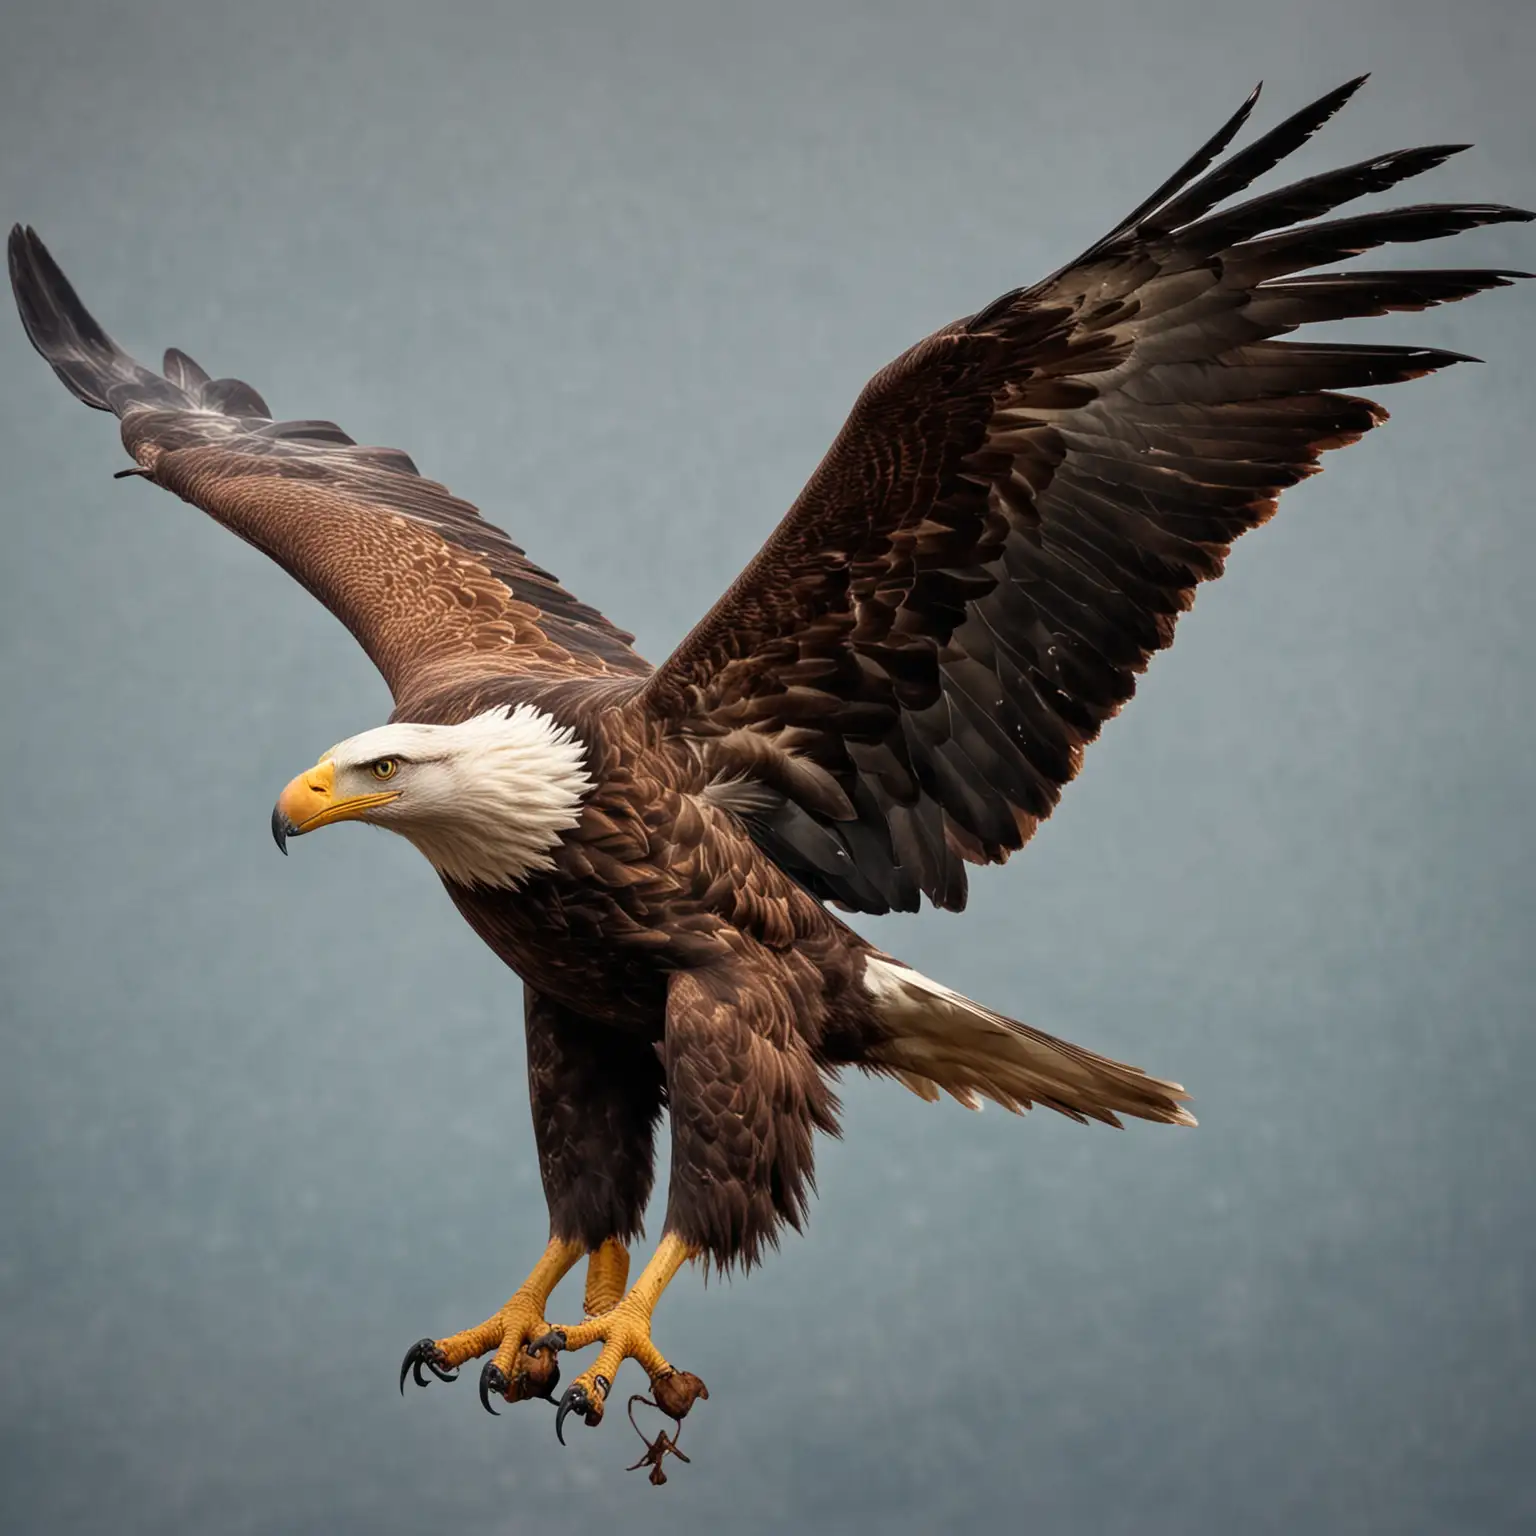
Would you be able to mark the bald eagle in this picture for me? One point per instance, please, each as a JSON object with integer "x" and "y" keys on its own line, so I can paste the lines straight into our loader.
{"x": 899, "y": 684}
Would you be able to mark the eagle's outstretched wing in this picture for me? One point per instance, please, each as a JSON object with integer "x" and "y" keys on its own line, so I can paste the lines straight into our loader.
{"x": 432, "y": 591}
{"x": 1020, "y": 507}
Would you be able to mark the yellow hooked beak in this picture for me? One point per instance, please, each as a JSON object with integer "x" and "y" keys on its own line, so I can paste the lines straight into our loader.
{"x": 310, "y": 801}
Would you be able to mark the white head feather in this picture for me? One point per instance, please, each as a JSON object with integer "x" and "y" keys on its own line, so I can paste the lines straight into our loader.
{"x": 486, "y": 801}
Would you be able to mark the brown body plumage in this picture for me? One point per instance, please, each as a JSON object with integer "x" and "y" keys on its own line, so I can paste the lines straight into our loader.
{"x": 901, "y": 683}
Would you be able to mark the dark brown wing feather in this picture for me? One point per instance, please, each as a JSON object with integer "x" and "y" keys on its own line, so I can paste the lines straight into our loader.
{"x": 1019, "y": 508}
{"x": 431, "y": 590}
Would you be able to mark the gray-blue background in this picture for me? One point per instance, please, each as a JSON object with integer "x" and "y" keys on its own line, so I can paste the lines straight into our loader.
{"x": 616, "y": 272}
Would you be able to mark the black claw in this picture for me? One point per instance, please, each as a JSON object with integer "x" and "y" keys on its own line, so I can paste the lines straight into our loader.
{"x": 574, "y": 1401}
{"x": 424, "y": 1354}
{"x": 492, "y": 1379}
{"x": 553, "y": 1340}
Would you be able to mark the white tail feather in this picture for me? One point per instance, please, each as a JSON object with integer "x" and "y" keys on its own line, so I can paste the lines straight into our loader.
{"x": 943, "y": 1040}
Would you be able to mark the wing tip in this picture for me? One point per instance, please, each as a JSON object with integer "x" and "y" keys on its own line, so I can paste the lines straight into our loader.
{"x": 1501, "y": 213}
{"x": 61, "y": 329}
{"x": 1197, "y": 171}
{"x": 1244, "y": 108}
{"x": 1333, "y": 101}
{"x": 69, "y": 338}
{"x": 20, "y": 240}
{"x": 1435, "y": 358}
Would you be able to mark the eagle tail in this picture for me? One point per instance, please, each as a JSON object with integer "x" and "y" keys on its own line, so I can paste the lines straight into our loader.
{"x": 941, "y": 1040}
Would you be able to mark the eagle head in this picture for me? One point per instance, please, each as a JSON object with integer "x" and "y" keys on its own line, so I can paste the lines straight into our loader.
{"x": 487, "y": 801}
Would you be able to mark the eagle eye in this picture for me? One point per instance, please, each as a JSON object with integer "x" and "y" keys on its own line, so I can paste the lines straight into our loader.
{"x": 384, "y": 768}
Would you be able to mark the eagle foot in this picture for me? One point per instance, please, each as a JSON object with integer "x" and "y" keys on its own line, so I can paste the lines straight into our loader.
{"x": 624, "y": 1330}
{"x": 625, "y": 1333}
{"x": 517, "y": 1370}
